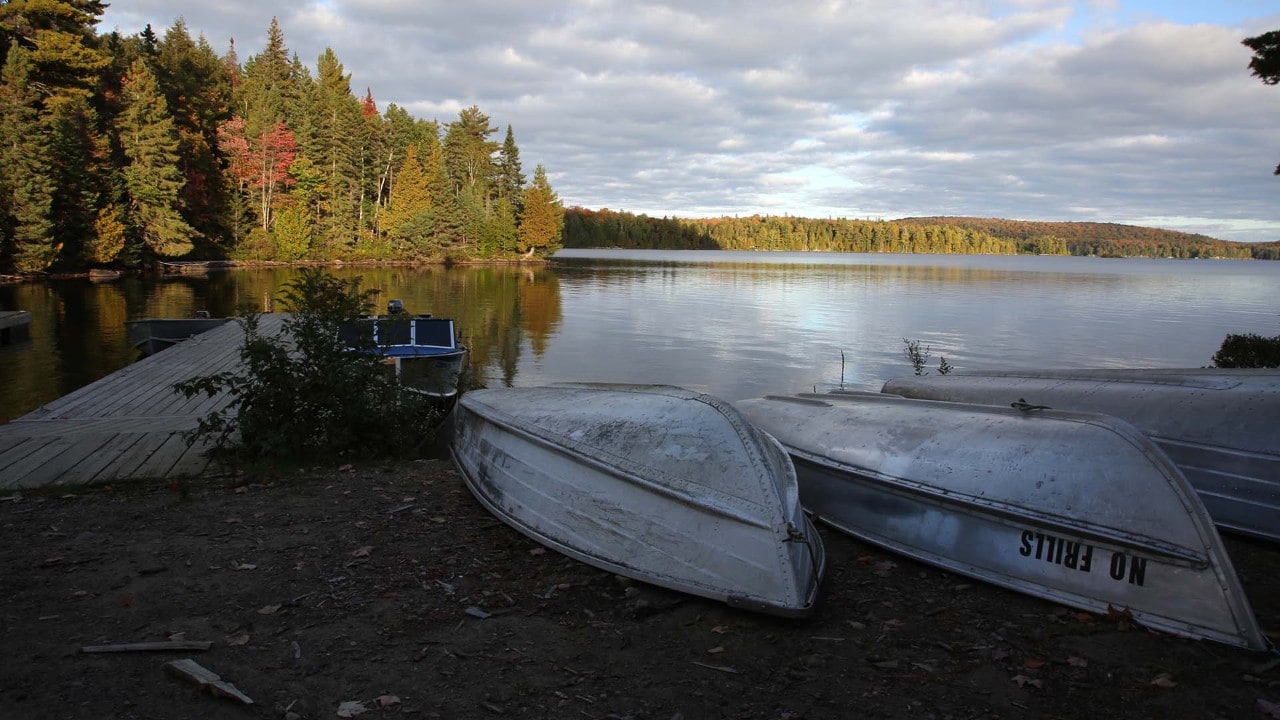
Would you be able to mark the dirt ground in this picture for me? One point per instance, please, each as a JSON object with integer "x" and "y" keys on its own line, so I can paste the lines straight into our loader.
{"x": 391, "y": 587}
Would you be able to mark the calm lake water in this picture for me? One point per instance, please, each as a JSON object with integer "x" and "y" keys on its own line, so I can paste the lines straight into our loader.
{"x": 734, "y": 324}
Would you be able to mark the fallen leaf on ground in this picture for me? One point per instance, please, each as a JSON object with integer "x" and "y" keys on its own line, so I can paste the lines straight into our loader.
{"x": 351, "y": 708}
{"x": 1164, "y": 680}
{"x": 362, "y": 552}
{"x": 1024, "y": 681}
{"x": 884, "y": 567}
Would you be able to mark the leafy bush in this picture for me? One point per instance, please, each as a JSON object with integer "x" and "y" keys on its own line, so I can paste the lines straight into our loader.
{"x": 302, "y": 395}
{"x": 1248, "y": 351}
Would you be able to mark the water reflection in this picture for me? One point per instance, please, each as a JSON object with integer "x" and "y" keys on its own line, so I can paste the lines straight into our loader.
{"x": 733, "y": 324}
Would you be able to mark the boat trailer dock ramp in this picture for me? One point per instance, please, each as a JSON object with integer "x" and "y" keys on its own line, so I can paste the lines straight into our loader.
{"x": 128, "y": 425}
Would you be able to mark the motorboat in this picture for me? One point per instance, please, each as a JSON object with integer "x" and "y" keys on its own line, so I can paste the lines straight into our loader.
{"x": 423, "y": 352}
{"x": 151, "y": 335}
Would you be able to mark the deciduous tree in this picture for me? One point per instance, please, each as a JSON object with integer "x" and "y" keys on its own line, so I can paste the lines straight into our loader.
{"x": 542, "y": 222}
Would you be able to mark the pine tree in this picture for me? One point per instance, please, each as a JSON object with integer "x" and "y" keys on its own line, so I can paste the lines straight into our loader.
{"x": 26, "y": 185}
{"x": 336, "y": 149}
{"x": 59, "y": 35}
{"x": 269, "y": 91}
{"x": 198, "y": 92}
{"x": 468, "y": 152}
{"x": 510, "y": 179}
{"x": 152, "y": 178}
{"x": 542, "y": 222}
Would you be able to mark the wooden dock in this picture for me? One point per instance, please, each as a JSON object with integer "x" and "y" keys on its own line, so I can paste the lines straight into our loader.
{"x": 129, "y": 424}
{"x": 14, "y": 326}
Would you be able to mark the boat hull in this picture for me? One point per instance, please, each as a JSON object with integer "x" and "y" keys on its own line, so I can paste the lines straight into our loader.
{"x": 1076, "y": 508}
{"x": 151, "y": 335}
{"x": 1217, "y": 425}
{"x": 654, "y": 483}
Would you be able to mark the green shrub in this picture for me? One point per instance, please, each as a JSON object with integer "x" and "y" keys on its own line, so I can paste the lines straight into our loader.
{"x": 302, "y": 395}
{"x": 1248, "y": 351}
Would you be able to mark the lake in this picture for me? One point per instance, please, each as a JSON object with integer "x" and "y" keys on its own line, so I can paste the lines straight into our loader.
{"x": 734, "y": 324}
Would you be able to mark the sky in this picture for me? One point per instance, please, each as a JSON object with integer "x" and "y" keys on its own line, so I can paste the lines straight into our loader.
{"x": 1140, "y": 112}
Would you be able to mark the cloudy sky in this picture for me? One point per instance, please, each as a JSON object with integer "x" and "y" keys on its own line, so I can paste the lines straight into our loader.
{"x": 1132, "y": 111}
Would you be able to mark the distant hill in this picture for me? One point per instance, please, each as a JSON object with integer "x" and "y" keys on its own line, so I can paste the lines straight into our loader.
{"x": 952, "y": 235}
{"x": 1109, "y": 239}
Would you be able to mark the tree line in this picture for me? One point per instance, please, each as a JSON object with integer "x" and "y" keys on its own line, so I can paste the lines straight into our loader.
{"x": 128, "y": 150}
{"x": 607, "y": 228}
{"x": 942, "y": 235}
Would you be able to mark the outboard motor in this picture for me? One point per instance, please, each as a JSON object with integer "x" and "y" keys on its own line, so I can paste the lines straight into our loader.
{"x": 395, "y": 307}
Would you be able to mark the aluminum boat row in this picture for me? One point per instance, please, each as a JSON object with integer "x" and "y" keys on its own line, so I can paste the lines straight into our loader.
{"x": 686, "y": 491}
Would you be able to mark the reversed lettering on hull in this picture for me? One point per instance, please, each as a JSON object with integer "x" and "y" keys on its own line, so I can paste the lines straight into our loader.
{"x": 1079, "y": 556}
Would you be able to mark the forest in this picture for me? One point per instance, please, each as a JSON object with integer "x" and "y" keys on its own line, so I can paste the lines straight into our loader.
{"x": 607, "y": 228}
{"x": 126, "y": 151}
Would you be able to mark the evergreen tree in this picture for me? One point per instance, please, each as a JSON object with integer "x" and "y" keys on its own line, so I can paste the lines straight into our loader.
{"x": 408, "y": 216}
{"x": 468, "y": 152}
{"x": 152, "y": 178}
{"x": 80, "y": 168}
{"x": 26, "y": 183}
{"x": 59, "y": 35}
{"x": 542, "y": 222}
{"x": 1265, "y": 63}
{"x": 336, "y": 151}
{"x": 510, "y": 179}
{"x": 269, "y": 90}
{"x": 197, "y": 90}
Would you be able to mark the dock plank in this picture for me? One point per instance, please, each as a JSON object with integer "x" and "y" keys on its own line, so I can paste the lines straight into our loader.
{"x": 127, "y": 425}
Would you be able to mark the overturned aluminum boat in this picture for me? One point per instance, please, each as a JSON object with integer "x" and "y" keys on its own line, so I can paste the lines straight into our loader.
{"x": 1218, "y": 425}
{"x": 1076, "y": 508}
{"x": 655, "y": 483}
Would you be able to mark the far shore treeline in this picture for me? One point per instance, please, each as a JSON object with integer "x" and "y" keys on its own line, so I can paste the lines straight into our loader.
{"x": 122, "y": 151}
{"x": 606, "y": 228}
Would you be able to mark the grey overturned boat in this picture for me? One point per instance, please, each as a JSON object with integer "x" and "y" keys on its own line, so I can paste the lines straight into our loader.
{"x": 654, "y": 483}
{"x": 1218, "y": 425}
{"x": 1077, "y": 508}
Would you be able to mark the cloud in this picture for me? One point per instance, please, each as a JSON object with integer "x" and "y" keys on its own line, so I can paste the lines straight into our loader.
{"x": 1035, "y": 109}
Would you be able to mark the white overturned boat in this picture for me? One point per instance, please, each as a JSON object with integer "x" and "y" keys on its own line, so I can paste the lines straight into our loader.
{"x": 1077, "y": 508}
{"x": 652, "y": 482}
{"x": 1218, "y": 425}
